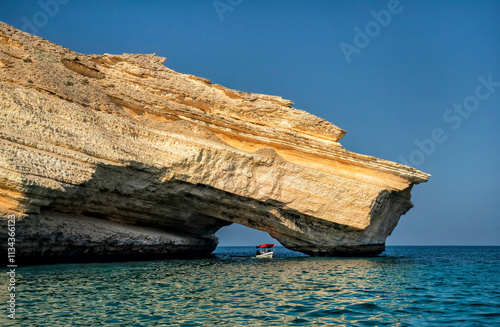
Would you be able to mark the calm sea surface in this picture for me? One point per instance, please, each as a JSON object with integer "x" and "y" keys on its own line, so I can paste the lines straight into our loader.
{"x": 407, "y": 286}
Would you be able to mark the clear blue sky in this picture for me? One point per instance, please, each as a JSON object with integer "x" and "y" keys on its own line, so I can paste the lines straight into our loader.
{"x": 401, "y": 83}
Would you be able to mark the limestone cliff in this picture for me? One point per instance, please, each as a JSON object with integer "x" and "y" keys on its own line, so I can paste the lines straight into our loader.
{"x": 108, "y": 156}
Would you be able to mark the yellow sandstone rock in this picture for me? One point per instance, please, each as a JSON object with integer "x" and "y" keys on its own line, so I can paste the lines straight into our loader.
{"x": 111, "y": 156}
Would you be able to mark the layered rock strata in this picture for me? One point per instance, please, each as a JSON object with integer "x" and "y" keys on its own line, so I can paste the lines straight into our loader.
{"x": 117, "y": 156}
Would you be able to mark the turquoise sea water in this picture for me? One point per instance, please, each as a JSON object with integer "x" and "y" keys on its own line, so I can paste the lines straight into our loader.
{"x": 407, "y": 286}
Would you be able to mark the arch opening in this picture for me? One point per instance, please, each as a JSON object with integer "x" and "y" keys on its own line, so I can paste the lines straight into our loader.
{"x": 240, "y": 235}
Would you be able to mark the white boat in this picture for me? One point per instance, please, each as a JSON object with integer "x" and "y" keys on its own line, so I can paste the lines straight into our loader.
{"x": 266, "y": 255}
{"x": 265, "y": 251}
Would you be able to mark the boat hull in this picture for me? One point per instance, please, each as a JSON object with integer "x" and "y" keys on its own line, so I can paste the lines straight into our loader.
{"x": 267, "y": 255}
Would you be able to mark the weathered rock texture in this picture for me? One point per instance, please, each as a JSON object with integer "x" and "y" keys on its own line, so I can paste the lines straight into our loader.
{"x": 116, "y": 155}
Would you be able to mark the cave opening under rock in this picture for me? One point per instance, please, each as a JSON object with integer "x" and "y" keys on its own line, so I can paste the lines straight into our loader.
{"x": 240, "y": 235}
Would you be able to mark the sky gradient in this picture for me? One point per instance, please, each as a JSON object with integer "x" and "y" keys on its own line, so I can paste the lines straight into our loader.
{"x": 416, "y": 82}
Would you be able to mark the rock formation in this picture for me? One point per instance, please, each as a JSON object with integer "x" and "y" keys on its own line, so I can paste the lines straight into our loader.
{"x": 117, "y": 156}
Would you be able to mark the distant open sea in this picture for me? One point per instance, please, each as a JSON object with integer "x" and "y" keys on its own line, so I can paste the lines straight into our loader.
{"x": 406, "y": 286}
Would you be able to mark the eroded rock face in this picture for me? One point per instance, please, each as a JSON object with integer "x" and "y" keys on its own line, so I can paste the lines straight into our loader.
{"x": 116, "y": 155}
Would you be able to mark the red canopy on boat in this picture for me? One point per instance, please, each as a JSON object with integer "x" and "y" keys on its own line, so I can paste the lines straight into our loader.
{"x": 265, "y": 246}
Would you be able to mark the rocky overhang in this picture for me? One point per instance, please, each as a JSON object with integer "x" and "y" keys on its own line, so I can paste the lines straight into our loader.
{"x": 107, "y": 157}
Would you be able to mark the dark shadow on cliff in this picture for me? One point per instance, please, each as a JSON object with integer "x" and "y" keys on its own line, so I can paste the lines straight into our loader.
{"x": 133, "y": 212}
